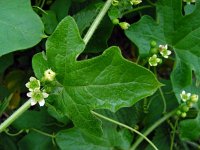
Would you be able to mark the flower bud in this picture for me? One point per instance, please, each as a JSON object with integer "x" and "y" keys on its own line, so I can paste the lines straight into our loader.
{"x": 124, "y": 25}
{"x": 183, "y": 114}
{"x": 115, "y": 21}
{"x": 194, "y": 98}
{"x": 178, "y": 112}
{"x": 185, "y": 108}
{"x": 49, "y": 75}
{"x": 153, "y": 43}
{"x": 153, "y": 50}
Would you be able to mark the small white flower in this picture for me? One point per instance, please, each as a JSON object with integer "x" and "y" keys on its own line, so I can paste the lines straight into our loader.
{"x": 164, "y": 51}
{"x": 154, "y": 60}
{"x": 33, "y": 84}
{"x": 135, "y": 2}
{"x": 49, "y": 75}
{"x": 185, "y": 96}
{"x": 37, "y": 96}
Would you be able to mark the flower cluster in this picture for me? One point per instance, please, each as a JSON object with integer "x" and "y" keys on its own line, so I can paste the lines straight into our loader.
{"x": 34, "y": 86}
{"x": 154, "y": 60}
{"x": 188, "y": 100}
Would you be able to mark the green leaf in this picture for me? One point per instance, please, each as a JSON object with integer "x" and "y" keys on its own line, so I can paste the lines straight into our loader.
{"x": 98, "y": 42}
{"x": 35, "y": 141}
{"x": 5, "y": 62}
{"x": 104, "y": 82}
{"x": 50, "y": 21}
{"x": 89, "y": 13}
{"x": 61, "y": 8}
{"x": 26, "y": 120}
{"x": 40, "y": 64}
{"x": 71, "y": 139}
{"x": 19, "y": 26}
{"x": 161, "y": 139}
{"x": 190, "y": 129}
{"x": 176, "y": 30}
{"x": 7, "y": 142}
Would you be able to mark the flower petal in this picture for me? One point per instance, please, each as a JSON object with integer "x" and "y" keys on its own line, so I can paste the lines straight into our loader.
{"x": 33, "y": 102}
{"x": 45, "y": 95}
{"x": 29, "y": 94}
{"x": 42, "y": 102}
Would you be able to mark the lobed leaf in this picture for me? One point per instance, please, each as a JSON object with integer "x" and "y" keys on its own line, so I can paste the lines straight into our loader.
{"x": 104, "y": 82}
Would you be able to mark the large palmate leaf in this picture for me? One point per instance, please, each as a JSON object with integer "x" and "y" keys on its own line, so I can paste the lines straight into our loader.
{"x": 20, "y": 28}
{"x": 104, "y": 82}
{"x": 181, "y": 33}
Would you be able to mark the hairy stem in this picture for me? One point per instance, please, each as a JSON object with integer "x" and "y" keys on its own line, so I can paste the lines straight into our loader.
{"x": 15, "y": 115}
{"x": 97, "y": 21}
{"x": 125, "y": 126}
{"x": 149, "y": 130}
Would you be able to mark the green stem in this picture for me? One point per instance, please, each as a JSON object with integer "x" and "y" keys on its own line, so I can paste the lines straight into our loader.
{"x": 164, "y": 100}
{"x": 136, "y": 9}
{"x": 125, "y": 126}
{"x": 43, "y": 133}
{"x": 149, "y": 130}
{"x": 42, "y": 3}
{"x": 161, "y": 94}
{"x": 14, "y": 134}
{"x": 97, "y": 21}
{"x": 15, "y": 115}
{"x": 151, "y": 3}
{"x": 173, "y": 135}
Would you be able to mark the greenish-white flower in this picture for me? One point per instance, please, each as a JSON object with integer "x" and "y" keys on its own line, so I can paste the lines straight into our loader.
{"x": 135, "y": 2}
{"x": 124, "y": 25}
{"x": 49, "y": 75}
{"x": 37, "y": 96}
{"x": 33, "y": 84}
{"x": 185, "y": 96}
{"x": 154, "y": 60}
{"x": 164, "y": 51}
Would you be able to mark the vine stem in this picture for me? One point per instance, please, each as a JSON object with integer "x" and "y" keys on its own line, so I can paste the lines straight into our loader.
{"x": 137, "y": 9}
{"x": 161, "y": 94}
{"x": 43, "y": 133}
{"x": 97, "y": 21}
{"x": 173, "y": 134}
{"x": 15, "y": 115}
{"x": 125, "y": 126}
{"x": 150, "y": 129}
